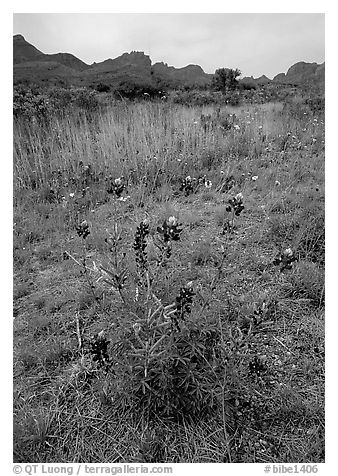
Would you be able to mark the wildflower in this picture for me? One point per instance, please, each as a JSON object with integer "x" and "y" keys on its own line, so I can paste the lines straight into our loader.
{"x": 123, "y": 199}
{"x": 140, "y": 244}
{"x": 257, "y": 366}
{"x": 71, "y": 195}
{"x": 236, "y": 126}
{"x": 235, "y": 204}
{"x": 83, "y": 229}
{"x": 117, "y": 186}
{"x": 208, "y": 184}
{"x": 254, "y": 178}
{"x": 285, "y": 259}
{"x": 187, "y": 185}
{"x": 169, "y": 230}
{"x": 183, "y": 304}
{"x": 137, "y": 328}
{"x": 288, "y": 252}
{"x": 172, "y": 221}
{"x": 239, "y": 197}
{"x": 99, "y": 348}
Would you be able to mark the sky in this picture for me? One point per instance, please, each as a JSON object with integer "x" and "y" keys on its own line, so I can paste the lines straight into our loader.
{"x": 255, "y": 43}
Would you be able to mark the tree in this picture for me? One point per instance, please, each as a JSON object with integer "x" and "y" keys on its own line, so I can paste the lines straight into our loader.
{"x": 225, "y": 79}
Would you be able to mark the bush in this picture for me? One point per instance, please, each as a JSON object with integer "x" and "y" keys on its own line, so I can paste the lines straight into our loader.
{"x": 102, "y": 88}
{"x": 225, "y": 79}
{"x": 85, "y": 99}
{"x": 30, "y": 103}
{"x": 133, "y": 90}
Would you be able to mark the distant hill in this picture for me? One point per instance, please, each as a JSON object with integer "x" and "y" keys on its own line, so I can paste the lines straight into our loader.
{"x": 303, "y": 74}
{"x": 191, "y": 74}
{"x": 24, "y": 52}
{"x": 251, "y": 81}
{"x": 33, "y": 66}
{"x": 299, "y": 74}
{"x": 134, "y": 67}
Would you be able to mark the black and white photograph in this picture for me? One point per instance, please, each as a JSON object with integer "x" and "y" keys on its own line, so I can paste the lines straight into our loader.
{"x": 168, "y": 241}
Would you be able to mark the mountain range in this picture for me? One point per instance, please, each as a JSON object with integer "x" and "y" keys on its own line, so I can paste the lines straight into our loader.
{"x": 33, "y": 66}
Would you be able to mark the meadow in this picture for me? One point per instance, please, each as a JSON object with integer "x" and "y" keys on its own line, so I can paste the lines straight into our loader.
{"x": 169, "y": 283}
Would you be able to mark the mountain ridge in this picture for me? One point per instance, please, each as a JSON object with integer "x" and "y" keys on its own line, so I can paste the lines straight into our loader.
{"x": 31, "y": 64}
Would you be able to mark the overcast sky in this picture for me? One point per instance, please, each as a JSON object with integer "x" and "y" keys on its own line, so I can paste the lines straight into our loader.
{"x": 256, "y": 43}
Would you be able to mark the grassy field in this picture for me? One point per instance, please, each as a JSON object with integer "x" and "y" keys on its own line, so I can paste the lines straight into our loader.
{"x": 181, "y": 328}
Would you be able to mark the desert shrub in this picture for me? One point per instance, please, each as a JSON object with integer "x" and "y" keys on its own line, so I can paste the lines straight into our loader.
{"x": 30, "y": 103}
{"x": 33, "y": 102}
{"x": 136, "y": 90}
{"x": 85, "y": 99}
{"x": 61, "y": 98}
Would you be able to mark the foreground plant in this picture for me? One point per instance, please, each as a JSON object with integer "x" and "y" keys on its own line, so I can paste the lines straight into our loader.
{"x": 83, "y": 229}
{"x": 190, "y": 184}
{"x": 116, "y": 186}
{"x": 285, "y": 259}
{"x": 158, "y": 361}
{"x": 234, "y": 207}
{"x": 140, "y": 244}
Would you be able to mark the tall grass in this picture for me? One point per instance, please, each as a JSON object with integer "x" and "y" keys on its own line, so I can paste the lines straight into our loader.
{"x": 146, "y": 137}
